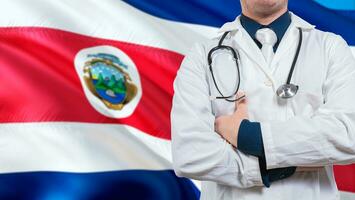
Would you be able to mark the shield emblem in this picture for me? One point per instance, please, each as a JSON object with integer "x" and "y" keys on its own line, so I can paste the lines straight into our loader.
{"x": 106, "y": 72}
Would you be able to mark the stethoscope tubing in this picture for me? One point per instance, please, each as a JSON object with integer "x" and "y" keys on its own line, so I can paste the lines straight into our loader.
{"x": 236, "y": 59}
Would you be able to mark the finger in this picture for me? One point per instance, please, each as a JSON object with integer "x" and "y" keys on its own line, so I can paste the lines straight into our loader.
{"x": 241, "y": 98}
{"x": 242, "y": 103}
{"x": 240, "y": 95}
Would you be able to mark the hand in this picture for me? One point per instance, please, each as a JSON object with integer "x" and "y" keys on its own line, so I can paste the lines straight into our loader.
{"x": 228, "y": 125}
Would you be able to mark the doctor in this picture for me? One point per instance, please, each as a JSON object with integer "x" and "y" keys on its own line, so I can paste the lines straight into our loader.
{"x": 264, "y": 146}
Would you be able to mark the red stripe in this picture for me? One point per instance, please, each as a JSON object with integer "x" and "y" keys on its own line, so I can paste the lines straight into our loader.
{"x": 38, "y": 81}
{"x": 345, "y": 177}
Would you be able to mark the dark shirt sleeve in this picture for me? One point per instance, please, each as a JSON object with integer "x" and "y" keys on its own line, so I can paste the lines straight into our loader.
{"x": 250, "y": 142}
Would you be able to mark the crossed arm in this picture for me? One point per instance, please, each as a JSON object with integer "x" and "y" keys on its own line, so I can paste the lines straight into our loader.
{"x": 326, "y": 138}
{"x": 247, "y": 137}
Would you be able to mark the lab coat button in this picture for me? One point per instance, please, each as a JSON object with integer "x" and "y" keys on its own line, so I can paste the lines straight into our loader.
{"x": 268, "y": 82}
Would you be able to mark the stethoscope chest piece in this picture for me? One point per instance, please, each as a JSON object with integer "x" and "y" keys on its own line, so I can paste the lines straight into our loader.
{"x": 287, "y": 91}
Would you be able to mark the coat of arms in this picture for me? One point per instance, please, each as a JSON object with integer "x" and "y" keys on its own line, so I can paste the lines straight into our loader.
{"x": 105, "y": 76}
{"x": 110, "y": 80}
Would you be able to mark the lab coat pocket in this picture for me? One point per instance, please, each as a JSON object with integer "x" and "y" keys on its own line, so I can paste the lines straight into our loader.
{"x": 304, "y": 103}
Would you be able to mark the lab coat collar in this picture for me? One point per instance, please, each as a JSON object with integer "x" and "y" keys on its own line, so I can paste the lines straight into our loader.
{"x": 295, "y": 20}
{"x": 249, "y": 46}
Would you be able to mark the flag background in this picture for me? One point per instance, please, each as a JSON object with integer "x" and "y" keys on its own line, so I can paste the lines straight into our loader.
{"x": 55, "y": 145}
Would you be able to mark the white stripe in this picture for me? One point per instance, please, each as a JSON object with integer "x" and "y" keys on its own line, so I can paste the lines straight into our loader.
{"x": 79, "y": 147}
{"x": 197, "y": 183}
{"x": 347, "y": 196}
{"x": 109, "y": 19}
{"x": 353, "y": 50}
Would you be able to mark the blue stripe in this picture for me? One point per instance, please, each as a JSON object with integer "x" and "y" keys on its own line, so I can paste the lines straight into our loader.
{"x": 339, "y": 5}
{"x": 206, "y": 12}
{"x": 132, "y": 184}
{"x": 339, "y": 22}
{"x": 215, "y": 13}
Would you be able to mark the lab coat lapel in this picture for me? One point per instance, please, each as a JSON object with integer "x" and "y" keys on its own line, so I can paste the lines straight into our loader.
{"x": 247, "y": 45}
{"x": 290, "y": 38}
{"x": 286, "y": 43}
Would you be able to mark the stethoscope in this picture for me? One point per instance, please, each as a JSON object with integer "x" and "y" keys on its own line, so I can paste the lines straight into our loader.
{"x": 285, "y": 91}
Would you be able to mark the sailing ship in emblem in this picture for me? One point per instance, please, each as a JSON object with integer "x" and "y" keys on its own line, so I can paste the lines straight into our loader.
{"x": 107, "y": 79}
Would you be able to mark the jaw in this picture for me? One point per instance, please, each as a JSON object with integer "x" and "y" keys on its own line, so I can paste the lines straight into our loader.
{"x": 268, "y": 7}
{"x": 264, "y": 10}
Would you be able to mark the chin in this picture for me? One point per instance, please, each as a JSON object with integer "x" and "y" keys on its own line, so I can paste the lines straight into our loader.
{"x": 268, "y": 7}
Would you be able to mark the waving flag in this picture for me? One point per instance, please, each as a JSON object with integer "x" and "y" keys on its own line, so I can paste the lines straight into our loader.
{"x": 86, "y": 90}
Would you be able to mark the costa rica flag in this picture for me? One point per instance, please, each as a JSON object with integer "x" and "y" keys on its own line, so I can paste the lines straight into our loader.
{"x": 86, "y": 90}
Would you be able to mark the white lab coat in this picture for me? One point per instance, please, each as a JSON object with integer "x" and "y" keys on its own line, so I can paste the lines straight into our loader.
{"x": 314, "y": 128}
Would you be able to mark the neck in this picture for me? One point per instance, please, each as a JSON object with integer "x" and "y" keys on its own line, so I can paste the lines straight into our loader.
{"x": 264, "y": 19}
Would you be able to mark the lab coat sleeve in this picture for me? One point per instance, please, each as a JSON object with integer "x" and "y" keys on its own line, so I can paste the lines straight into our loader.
{"x": 198, "y": 152}
{"x": 328, "y": 136}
